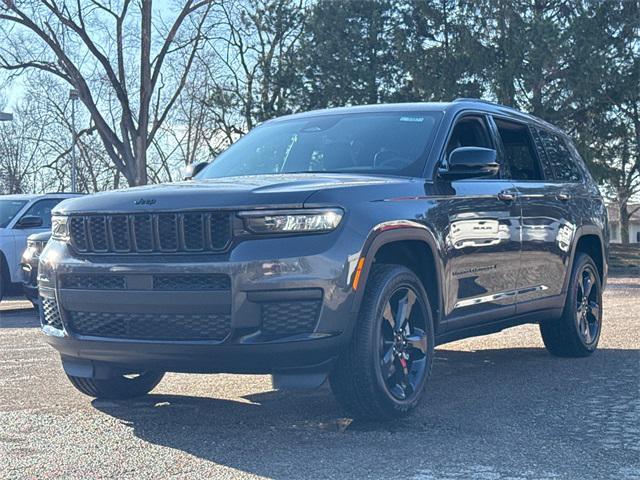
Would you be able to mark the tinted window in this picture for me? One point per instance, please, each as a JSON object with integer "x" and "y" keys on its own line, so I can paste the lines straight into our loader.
{"x": 542, "y": 156}
{"x": 560, "y": 157}
{"x": 385, "y": 142}
{"x": 519, "y": 151}
{"x": 8, "y": 210}
{"x": 469, "y": 132}
{"x": 43, "y": 209}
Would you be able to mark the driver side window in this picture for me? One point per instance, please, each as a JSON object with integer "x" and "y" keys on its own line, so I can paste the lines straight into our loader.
{"x": 42, "y": 209}
{"x": 469, "y": 131}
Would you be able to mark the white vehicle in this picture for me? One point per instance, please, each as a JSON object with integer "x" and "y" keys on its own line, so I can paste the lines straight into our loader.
{"x": 20, "y": 216}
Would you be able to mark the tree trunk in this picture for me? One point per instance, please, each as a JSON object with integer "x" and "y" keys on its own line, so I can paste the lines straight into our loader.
{"x": 624, "y": 223}
{"x": 141, "y": 141}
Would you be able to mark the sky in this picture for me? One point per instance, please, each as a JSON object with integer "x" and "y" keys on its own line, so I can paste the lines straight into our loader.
{"x": 14, "y": 92}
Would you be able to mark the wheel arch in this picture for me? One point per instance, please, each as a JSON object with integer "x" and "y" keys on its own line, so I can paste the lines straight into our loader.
{"x": 410, "y": 244}
{"x": 4, "y": 268}
{"x": 589, "y": 239}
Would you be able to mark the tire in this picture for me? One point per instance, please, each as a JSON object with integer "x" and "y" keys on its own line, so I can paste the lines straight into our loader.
{"x": 5, "y": 281}
{"x": 374, "y": 373}
{"x": 577, "y": 331}
{"x": 117, "y": 388}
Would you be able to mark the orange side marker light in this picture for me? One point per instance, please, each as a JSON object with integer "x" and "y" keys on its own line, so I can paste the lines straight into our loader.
{"x": 356, "y": 277}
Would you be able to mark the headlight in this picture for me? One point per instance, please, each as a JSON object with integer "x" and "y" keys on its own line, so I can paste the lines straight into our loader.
{"x": 291, "y": 221}
{"x": 60, "y": 228}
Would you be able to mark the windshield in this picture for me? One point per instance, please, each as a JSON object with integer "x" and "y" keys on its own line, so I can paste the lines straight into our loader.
{"x": 387, "y": 143}
{"x": 9, "y": 209}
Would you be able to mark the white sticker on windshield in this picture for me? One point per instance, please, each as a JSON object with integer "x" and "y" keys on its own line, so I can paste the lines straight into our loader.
{"x": 412, "y": 119}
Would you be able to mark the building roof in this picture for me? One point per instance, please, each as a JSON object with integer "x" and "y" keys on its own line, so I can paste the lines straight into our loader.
{"x": 613, "y": 212}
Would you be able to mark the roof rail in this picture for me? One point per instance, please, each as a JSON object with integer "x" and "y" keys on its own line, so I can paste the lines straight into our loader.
{"x": 65, "y": 193}
{"x": 487, "y": 102}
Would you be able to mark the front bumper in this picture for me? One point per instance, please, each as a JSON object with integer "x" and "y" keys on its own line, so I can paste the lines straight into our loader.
{"x": 29, "y": 269}
{"x": 258, "y": 286}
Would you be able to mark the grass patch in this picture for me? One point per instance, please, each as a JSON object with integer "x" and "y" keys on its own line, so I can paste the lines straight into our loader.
{"x": 624, "y": 256}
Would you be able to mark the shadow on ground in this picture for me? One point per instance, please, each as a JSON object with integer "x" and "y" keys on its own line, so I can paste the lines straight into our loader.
{"x": 19, "y": 318}
{"x": 480, "y": 405}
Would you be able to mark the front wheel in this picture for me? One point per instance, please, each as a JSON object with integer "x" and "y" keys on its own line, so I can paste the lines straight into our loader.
{"x": 577, "y": 332}
{"x": 383, "y": 372}
{"x": 118, "y": 388}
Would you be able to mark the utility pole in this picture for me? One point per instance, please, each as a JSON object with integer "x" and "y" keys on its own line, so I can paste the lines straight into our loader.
{"x": 74, "y": 95}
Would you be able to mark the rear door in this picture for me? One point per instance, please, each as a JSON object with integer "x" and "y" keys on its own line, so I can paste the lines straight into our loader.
{"x": 480, "y": 224}
{"x": 548, "y": 222}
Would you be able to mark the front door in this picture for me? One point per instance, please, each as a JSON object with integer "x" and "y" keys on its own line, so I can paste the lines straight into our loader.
{"x": 481, "y": 224}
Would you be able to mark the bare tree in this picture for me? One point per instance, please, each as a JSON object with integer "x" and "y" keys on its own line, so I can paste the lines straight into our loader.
{"x": 92, "y": 46}
{"x": 251, "y": 63}
{"x": 21, "y": 146}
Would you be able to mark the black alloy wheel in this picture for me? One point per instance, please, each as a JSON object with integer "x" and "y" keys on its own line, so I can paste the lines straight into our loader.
{"x": 588, "y": 306}
{"x": 384, "y": 371}
{"x": 403, "y": 343}
{"x": 577, "y": 331}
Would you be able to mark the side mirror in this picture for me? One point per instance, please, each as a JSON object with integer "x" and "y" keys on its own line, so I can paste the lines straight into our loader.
{"x": 29, "y": 221}
{"x": 192, "y": 170}
{"x": 470, "y": 162}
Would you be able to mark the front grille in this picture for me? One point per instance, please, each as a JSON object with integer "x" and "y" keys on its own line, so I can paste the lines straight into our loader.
{"x": 50, "y": 313}
{"x": 150, "y": 326}
{"x": 281, "y": 319}
{"x": 189, "y": 232}
{"x": 191, "y": 282}
{"x": 94, "y": 282}
{"x": 162, "y": 282}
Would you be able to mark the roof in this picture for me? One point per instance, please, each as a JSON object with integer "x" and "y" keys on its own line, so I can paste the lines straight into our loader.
{"x": 34, "y": 196}
{"x": 612, "y": 210}
{"x": 454, "y": 107}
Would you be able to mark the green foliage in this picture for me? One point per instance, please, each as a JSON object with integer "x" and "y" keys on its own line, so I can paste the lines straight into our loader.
{"x": 573, "y": 63}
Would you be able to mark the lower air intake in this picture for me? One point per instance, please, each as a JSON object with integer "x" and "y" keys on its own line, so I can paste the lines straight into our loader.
{"x": 148, "y": 326}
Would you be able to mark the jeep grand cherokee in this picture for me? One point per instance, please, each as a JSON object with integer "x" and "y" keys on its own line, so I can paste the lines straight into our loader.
{"x": 341, "y": 244}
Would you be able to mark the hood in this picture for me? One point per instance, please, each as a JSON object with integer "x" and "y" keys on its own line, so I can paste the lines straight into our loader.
{"x": 263, "y": 191}
{"x": 39, "y": 237}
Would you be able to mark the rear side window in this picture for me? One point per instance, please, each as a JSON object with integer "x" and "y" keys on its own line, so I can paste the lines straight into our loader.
{"x": 560, "y": 157}
{"x": 519, "y": 151}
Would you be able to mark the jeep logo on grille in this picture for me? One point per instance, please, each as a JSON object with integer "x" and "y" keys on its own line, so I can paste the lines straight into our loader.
{"x": 145, "y": 201}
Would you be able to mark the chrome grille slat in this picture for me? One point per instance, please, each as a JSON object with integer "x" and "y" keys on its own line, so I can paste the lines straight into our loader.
{"x": 162, "y": 232}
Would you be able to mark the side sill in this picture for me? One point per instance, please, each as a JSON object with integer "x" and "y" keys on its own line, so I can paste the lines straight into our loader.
{"x": 494, "y": 327}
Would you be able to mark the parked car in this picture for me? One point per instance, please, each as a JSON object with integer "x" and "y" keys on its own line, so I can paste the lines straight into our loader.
{"x": 29, "y": 265}
{"x": 341, "y": 244}
{"x": 20, "y": 216}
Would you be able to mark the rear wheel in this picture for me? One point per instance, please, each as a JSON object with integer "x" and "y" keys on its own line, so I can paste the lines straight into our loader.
{"x": 120, "y": 387}
{"x": 4, "y": 276}
{"x": 383, "y": 372}
{"x": 577, "y": 332}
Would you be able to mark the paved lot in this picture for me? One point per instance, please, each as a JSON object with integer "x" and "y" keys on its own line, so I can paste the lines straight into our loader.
{"x": 499, "y": 407}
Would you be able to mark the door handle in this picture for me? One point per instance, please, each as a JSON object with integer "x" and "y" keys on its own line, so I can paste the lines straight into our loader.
{"x": 564, "y": 196}
{"x": 506, "y": 196}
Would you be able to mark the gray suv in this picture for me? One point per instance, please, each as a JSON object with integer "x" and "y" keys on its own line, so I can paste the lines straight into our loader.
{"x": 20, "y": 216}
{"x": 341, "y": 244}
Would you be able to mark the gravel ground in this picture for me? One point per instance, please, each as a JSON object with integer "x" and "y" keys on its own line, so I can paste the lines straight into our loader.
{"x": 498, "y": 407}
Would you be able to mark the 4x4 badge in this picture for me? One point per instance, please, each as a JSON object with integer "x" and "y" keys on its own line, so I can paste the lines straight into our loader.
{"x": 145, "y": 201}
